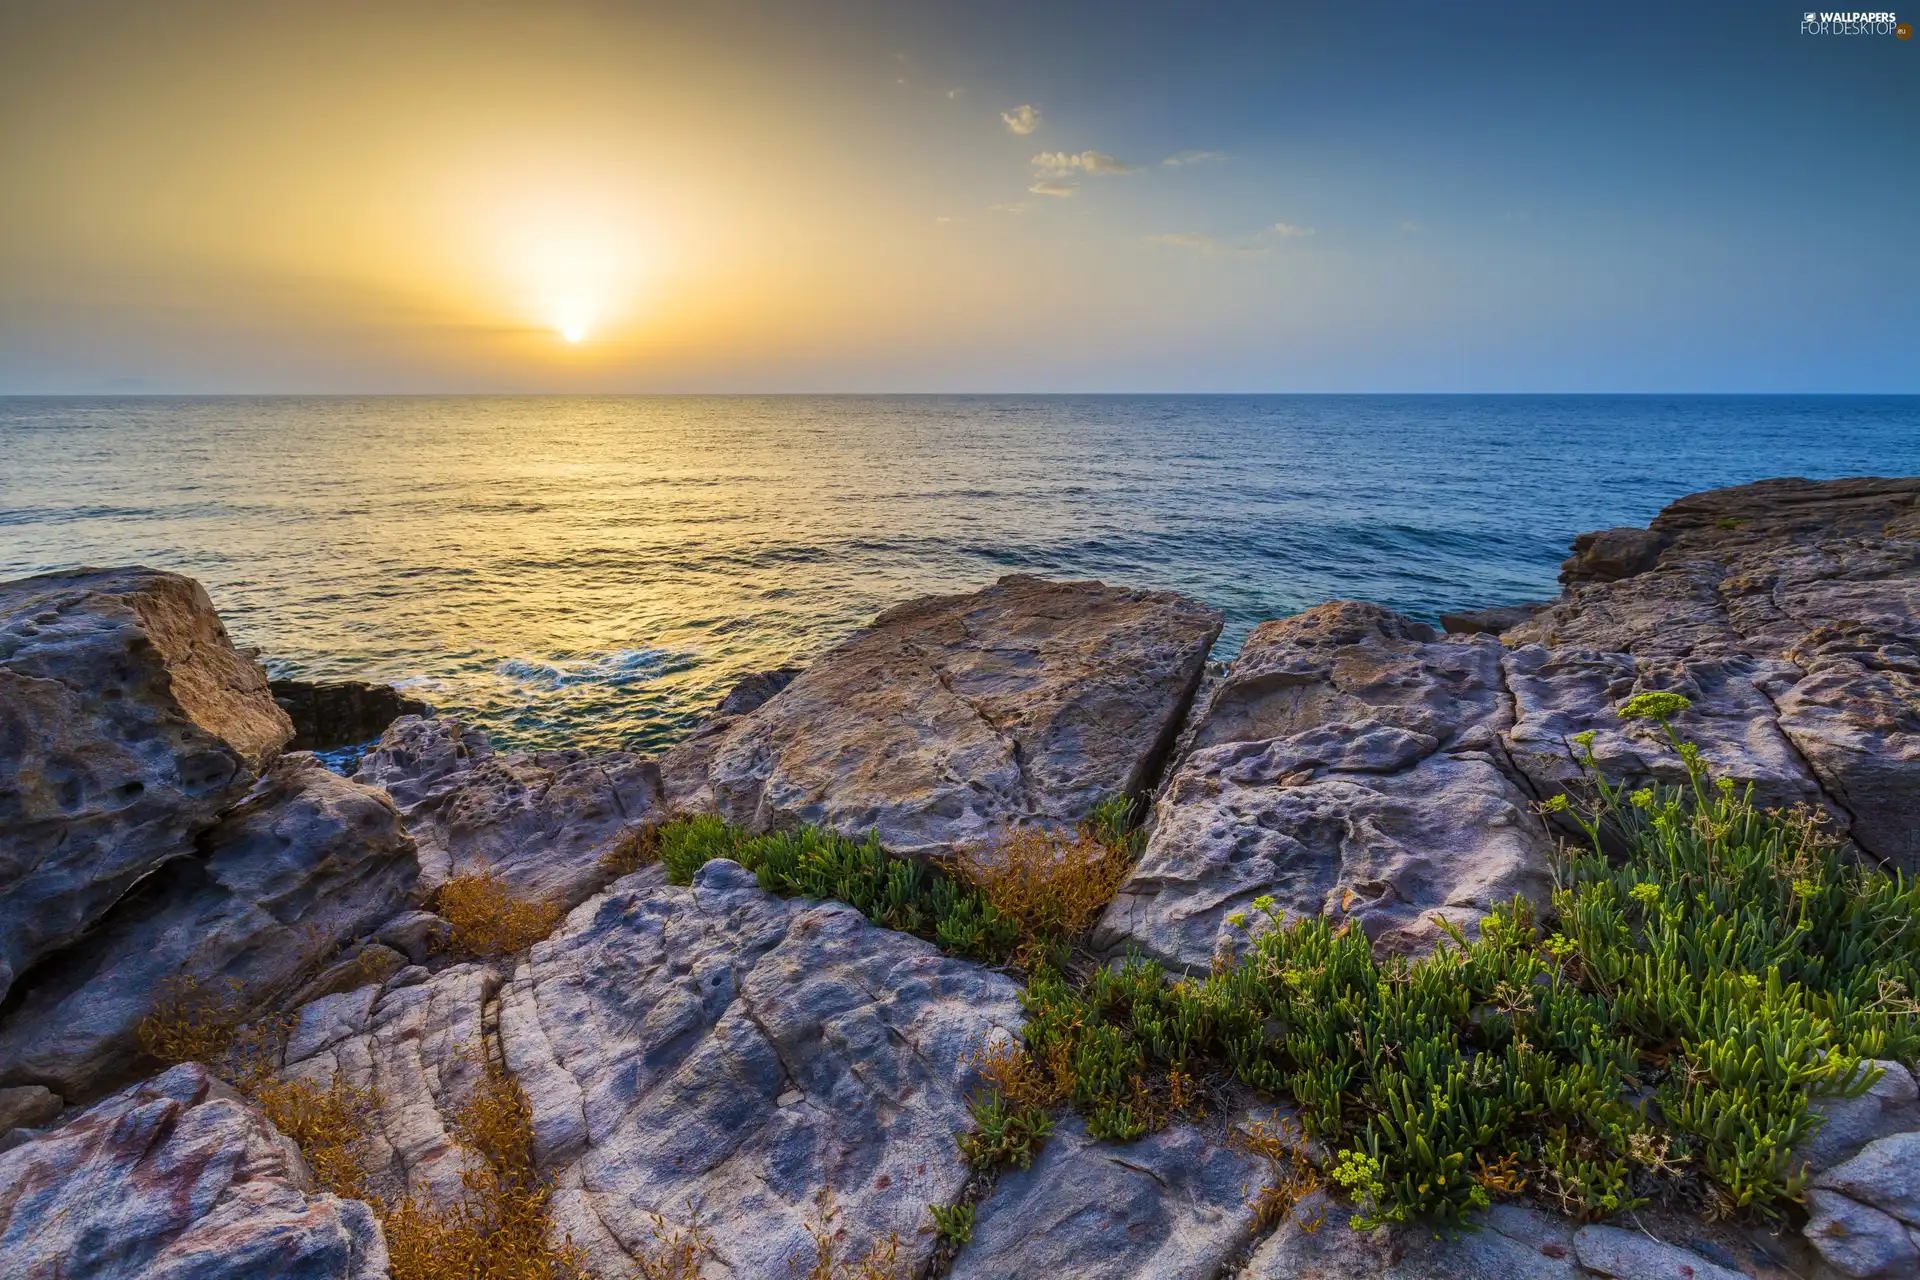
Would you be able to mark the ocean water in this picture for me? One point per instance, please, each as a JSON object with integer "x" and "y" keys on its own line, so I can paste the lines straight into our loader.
{"x": 597, "y": 571}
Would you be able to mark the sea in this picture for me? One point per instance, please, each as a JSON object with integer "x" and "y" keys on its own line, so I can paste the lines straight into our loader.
{"x": 597, "y": 571}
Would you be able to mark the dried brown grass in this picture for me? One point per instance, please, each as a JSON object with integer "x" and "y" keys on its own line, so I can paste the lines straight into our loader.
{"x": 1291, "y": 1173}
{"x": 488, "y": 919}
{"x": 881, "y": 1261}
{"x": 1052, "y": 883}
{"x": 632, "y": 849}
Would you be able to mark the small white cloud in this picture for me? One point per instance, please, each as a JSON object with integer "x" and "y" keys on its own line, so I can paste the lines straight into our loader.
{"x": 954, "y": 93}
{"x": 1019, "y": 207}
{"x": 944, "y": 218}
{"x": 1052, "y": 189}
{"x": 1287, "y": 230}
{"x": 1023, "y": 119}
{"x": 1193, "y": 157}
{"x": 1410, "y": 227}
{"x": 1206, "y": 244}
{"x": 1058, "y": 163}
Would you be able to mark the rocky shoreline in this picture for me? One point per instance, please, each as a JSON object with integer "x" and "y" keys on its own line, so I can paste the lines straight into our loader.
{"x": 715, "y": 1047}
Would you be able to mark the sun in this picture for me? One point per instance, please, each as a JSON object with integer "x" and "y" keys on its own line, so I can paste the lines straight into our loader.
{"x": 574, "y": 330}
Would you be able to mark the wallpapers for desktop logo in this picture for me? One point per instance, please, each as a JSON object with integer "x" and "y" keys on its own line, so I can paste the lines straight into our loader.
{"x": 1854, "y": 24}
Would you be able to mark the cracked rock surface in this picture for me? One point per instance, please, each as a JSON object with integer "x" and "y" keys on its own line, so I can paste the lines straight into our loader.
{"x": 952, "y": 716}
{"x": 128, "y": 722}
{"x": 1790, "y": 611}
{"x": 718, "y": 1049}
{"x": 1350, "y": 764}
{"x": 540, "y": 820}
{"x": 175, "y": 1179}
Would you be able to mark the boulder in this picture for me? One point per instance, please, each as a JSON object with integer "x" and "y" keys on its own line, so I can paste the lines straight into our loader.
{"x": 1793, "y": 608}
{"x": 1612, "y": 554}
{"x": 1349, "y": 765}
{"x": 176, "y": 1179}
{"x": 952, "y": 717}
{"x": 683, "y": 766}
{"x": 1890, "y": 1105}
{"x": 128, "y": 722}
{"x": 541, "y": 821}
{"x": 1172, "y": 1206}
{"x": 1490, "y": 621}
{"x": 308, "y": 861}
{"x": 340, "y": 713}
{"x": 28, "y": 1106}
{"x": 1885, "y": 1174}
{"x": 1633, "y": 1255}
{"x": 718, "y": 1050}
{"x": 1859, "y": 1241}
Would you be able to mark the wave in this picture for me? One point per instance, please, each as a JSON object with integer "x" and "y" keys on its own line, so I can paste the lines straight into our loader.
{"x": 597, "y": 667}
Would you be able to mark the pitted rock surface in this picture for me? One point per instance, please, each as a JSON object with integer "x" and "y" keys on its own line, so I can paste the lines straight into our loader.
{"x": 720, "y": 1048}
{"x": 1803, "y": 594}
{"x": 128, "y": 722}
{"x": 1171, "y": 1206}
{"x": 176, "y": 1179}
{"x": 1349, "y": 765}
{"x": 542, "y": 821}
{"x": 308, "y": 861}
{"x": 950, "y": 717}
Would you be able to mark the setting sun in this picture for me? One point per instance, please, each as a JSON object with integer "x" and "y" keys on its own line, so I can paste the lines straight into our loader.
{"x": 573, "y": 330}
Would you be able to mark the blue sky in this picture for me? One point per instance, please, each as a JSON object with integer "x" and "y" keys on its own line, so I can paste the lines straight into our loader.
{"x": 833, "y": 197}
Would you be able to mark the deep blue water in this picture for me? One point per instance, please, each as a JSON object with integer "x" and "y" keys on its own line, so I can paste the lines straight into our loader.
{"x": 596, "y": 570}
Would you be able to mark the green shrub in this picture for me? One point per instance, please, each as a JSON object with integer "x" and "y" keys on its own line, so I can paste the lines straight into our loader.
{"x": 900, "y": 893}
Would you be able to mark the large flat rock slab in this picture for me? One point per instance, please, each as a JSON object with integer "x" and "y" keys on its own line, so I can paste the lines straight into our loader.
{"x": 719, "y": 1050}
{"x": 1793, "y": 606}
{"x": 541, "y": 821}
{"x": 951, "y": 717}
{"x": 1349, "y": 765}
{"x": 176, "y": 1179}
{"x": 307, "y": 862}
{"x": 128, "y": 722}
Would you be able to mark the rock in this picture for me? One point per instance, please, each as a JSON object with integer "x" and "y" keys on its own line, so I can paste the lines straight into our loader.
{"x": 1888, "y": 1107}
{"x": 1859, "y": 1241}
{"x": 128, "y": 722}
{"x": 358, "y": 965}
{"x": 28, "y": 1106}
{"x": 1805, "y": 594}
{"x": 1171, "y": 1206}
{"x": 306, "y": 862}
{"x": 750, "y": 693}
{"x": 1316, "y": 1243}
{"x": 420, "y": 1046}
{"x": 176, "y": 1179}
{"x": 1629, "y": 1255}
{"x": 953, "y": 716}
{"x": 1612, "y": 554}
{"x": 683, "y": 766}
{"x": 340, "y": 713}
{"x": 1348, "y": 765}
{"x": 418, "y": 935}
{"x": 1491, "y": 621}
{"x": 658, "y": 1031}
{"x": 1886, "y": 1175}
{"x": 541, "y": 821}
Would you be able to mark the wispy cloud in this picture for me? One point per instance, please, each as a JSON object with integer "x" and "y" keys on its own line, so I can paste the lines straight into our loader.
{"x": 1193, "y": 157}
{"x": 1206, "y": 244}
{"x": 1410, "y": 227}
{"x": 1058, "y": 163}
{"x": 1288, "y": 231}
{"x": 1052, "y": 189}
{"x": 1018, "y": 207}
{"x": 1023, "y": 119}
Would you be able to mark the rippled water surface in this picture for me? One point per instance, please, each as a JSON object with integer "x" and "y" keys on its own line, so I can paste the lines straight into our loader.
{"x": 596, "y": 571}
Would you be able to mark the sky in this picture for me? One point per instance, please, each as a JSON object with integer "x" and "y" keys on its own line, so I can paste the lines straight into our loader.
{"x": 982, "y": 196}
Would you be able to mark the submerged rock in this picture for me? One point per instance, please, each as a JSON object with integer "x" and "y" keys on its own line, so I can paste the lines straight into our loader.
{"x": 541, "y": 821}
{"x": 176, "y": 1179}
{"x": 128, "y": 723}
{"x": 953, "y": 716}
{"x": 308, "y": 861}
{"x": 341, "y": 713}
{"x": 1349, "y": 765}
